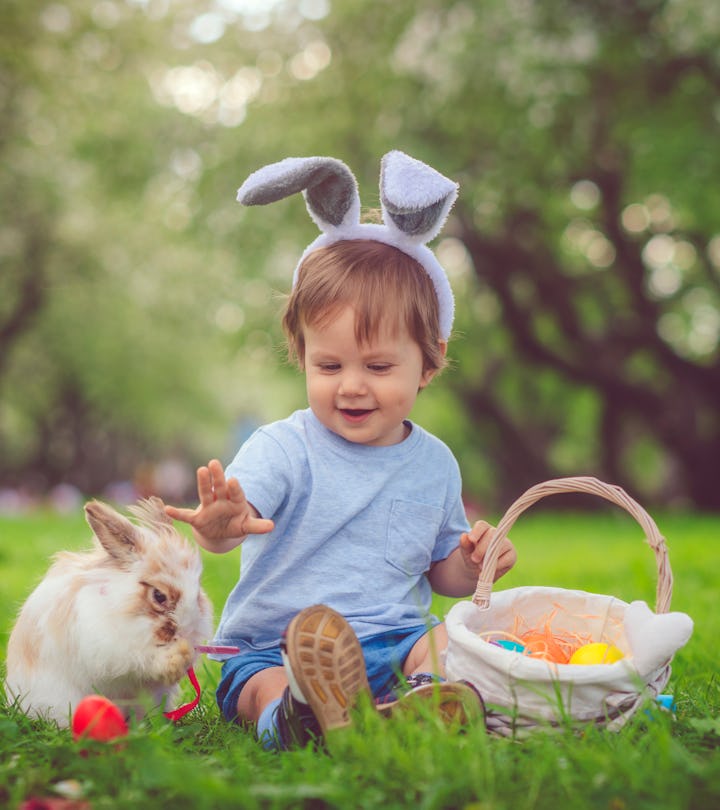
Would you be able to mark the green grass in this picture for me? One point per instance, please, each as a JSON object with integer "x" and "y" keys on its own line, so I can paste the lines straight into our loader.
{"x": 657, "y": 761}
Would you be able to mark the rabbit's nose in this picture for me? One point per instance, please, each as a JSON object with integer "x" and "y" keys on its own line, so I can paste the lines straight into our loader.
{"x": 166, "y": 632}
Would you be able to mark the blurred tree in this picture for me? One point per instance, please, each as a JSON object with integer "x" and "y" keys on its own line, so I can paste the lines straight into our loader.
{"x": 583, "y": 134}
{"x": 584, "y": 250}
{"x": 117, "y": 290}
{"x": 604, "y": 263}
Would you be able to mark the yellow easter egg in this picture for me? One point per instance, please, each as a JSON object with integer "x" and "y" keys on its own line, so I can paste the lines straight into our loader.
{"x": 596, "y": 653}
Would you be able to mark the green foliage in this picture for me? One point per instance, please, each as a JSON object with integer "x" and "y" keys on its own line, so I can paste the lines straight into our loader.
{"x": 583, "y": 249}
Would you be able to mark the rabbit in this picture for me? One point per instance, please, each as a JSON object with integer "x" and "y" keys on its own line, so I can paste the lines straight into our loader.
{"x": 122, "y": 619}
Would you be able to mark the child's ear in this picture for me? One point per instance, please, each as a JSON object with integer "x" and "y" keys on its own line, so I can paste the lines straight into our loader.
{"x": 429, "y": 373}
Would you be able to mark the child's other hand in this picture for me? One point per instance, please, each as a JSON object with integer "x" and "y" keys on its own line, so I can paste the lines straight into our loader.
{"x": 474, "y": 545}
{"x": 224, "y": 517}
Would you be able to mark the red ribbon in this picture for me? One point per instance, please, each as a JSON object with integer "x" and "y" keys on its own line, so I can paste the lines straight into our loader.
{"x": 181, "y": 711}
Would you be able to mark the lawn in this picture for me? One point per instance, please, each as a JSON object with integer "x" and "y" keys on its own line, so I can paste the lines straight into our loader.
{"x": 658, "y": 760}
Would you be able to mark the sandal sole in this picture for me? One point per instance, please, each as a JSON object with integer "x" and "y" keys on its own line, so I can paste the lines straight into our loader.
{"x": 326, "y": 663}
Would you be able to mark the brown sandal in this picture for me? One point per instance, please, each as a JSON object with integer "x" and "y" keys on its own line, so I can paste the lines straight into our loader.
{"x": 325, "y": 665}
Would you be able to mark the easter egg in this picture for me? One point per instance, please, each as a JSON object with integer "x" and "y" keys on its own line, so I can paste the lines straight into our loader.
{"x": 505, "y": 643}
{"x": 596, "y": 653}
{"x": 97, "y": 718}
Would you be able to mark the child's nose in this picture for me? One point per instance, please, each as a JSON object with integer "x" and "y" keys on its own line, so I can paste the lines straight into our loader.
{"x": 352, "y": 384}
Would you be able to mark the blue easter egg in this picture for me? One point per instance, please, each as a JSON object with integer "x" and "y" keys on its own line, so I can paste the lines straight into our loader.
{"x": 506, "y": 644}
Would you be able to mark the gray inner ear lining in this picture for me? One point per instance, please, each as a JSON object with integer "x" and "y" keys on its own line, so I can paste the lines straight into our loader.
{"x": 263, "y": 195}
{"x": 331, "y": 197}
{"x": 416, "y": 223}
{"x": 329, "y": 190}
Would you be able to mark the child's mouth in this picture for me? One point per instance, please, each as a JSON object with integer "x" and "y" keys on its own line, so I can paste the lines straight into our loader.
{"x": 355, "y": 414}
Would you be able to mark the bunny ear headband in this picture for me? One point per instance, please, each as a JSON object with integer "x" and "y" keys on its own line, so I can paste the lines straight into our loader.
{"x": 415, "y": 201}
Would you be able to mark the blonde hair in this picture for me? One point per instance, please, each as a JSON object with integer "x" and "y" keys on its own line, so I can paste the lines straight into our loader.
{"x": 385, "y": 287}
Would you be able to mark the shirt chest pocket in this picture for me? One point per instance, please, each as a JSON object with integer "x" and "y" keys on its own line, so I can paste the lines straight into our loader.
{"x": 412, "y": 531}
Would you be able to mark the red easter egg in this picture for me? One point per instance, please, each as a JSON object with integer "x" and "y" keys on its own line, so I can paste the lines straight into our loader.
{"x": 97, "y": 718}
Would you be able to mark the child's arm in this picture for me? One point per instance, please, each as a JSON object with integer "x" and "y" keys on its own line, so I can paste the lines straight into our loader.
{"x": 458, "y": 573}
{"x": 224, "y": 517}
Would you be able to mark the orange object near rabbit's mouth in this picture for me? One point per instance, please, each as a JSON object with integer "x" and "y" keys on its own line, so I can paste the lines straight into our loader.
{"x": 217, "y": 649}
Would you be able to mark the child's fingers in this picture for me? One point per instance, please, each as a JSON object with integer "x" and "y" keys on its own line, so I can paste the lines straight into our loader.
{"x": 480, "y": 536}
{"x": 258, "y": 525}
{"x": 481, "y": 530}
{"x": 478, "y": 542}
{"x": 506, "y": 559}
{"x": 469, "y": 546}
{"x": 205, "y": 486}
{"x": 235, "y": 492}
{"x": 217, "y": 476}
{"x": 475, "y": 545}
{"x": 185, "y": 515}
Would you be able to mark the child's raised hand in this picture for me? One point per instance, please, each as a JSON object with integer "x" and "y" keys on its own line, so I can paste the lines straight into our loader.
{"x": 474, "y": 545}
{"x": 224, "y": 517}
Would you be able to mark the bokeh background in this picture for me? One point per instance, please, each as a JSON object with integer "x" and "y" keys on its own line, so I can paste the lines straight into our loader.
{"x": 139, "y": 328}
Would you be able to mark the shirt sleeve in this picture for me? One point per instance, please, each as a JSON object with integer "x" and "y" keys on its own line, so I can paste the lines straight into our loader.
{"x": 456, "y": 521}
{"x": 264, "y": 471}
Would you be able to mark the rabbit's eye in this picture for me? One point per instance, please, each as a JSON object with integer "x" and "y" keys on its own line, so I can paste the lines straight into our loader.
{"x": 159, "y": 596}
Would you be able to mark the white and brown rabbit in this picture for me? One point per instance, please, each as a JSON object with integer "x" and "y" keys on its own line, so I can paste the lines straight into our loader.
{"x": 120, "y": 620}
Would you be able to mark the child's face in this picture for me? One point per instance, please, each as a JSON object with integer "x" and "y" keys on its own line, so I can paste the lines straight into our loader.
{"x": 362, "y": 392}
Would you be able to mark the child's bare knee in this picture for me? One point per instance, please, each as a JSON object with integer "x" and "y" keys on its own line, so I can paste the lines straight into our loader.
{"x": 426, "y": 654}
{"x": 262, "y": 688}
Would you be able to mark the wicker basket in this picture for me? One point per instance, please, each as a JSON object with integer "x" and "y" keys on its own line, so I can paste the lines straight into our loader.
{"x": 523, "y": 692}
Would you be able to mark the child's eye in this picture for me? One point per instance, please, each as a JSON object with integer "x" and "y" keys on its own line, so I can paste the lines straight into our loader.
{"x": 380, "y": 367}
{"x": 329, "y": 367}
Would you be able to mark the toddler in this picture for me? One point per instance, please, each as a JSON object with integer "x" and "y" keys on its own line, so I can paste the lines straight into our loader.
{"x": 350, "y": 515}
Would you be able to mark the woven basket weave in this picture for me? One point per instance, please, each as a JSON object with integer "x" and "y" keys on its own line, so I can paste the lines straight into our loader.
{"x": 522, "y": 692}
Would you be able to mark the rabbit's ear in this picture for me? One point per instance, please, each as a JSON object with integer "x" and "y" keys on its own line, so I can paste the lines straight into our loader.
{"x": 116, "y": 534}
{"x": 328, "y": 185}
{"x": 415, "y": 198}
{"x": 151, "y": 511}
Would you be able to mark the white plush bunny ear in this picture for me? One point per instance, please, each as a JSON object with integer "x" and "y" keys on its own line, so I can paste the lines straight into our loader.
{"x": 415, "y": 201}
{"x": 415, "y": 198}
{"x": 654, "y": 637}
{"x": 328, "y": 185}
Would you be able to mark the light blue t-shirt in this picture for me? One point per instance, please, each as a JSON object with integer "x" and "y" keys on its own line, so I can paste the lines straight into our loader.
{"x": 356, "y": 528}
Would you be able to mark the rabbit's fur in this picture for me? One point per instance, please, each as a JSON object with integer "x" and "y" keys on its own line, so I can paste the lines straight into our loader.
{"x": 122, "y": 619}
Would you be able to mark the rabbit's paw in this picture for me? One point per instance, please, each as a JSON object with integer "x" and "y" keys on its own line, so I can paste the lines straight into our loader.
{"x": 179, "y": 658}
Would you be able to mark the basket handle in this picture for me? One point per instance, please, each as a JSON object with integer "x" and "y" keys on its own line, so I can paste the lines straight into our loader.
{"x": 591, "y": 486}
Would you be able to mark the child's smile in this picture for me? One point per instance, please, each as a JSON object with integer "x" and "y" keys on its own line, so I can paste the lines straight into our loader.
{"x": 363, "y": 392}
{"x": 355, "y": 415}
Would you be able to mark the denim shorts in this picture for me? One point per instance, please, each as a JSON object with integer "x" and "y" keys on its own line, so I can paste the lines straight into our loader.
{"x": 385, "y": 654}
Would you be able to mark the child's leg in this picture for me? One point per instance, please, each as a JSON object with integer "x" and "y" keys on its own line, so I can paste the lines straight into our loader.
{"x": 454, "y": 702}
{"x": 425, "y": 655}
{"x": 262, "y": 689}
{"x": 258, "y": 704}
{"x": 280, "y": 721}
{"x": 324, "y": 671}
